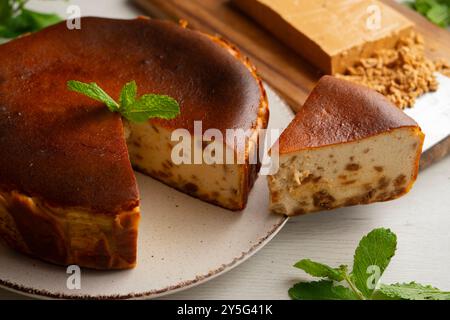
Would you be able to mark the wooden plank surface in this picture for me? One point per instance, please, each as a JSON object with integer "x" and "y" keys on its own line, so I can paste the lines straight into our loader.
{"x": 289, "y": 74}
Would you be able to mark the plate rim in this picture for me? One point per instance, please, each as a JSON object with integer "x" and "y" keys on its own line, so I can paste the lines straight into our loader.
{"x": 156, "y": 293}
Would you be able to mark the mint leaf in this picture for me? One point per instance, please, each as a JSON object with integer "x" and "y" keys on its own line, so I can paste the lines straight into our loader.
{"x": 92, "y": 90}
{"x": 422, "y": 6}
{"x": 438, "y": 14}
{"x": 153, "y": 106}
{"x": 320, "y": 290}
{"x": 413, "y": 291}
{"x": 136, "y": 110}
{"x": 437, "y": 11}
{"x": 320, "y": 270}
{"x": 128, "y": 96}
{"x": 373, "y": 253}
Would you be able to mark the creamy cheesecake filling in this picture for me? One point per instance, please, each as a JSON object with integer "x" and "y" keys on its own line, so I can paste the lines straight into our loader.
{"x": 150, "y": 148}
{"x": 377, "y": 168}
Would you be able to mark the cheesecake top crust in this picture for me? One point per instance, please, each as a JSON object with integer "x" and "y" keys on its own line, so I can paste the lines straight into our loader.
{"x": 338, "y": 111}
{"x": 70, "y": 150}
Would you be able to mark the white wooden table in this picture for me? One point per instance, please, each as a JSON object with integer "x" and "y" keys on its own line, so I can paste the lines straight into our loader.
{"x": 421, "y": 221}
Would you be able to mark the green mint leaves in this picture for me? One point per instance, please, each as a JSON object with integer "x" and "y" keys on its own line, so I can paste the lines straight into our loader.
{"x": 131, "y": 107}
{"x": 437, "y": 11}
{"x": 15, "y": 19}
{"x": 371, "y": 259}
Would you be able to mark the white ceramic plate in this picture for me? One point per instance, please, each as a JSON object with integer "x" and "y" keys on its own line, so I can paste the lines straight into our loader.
{"x": 183, "y": 242}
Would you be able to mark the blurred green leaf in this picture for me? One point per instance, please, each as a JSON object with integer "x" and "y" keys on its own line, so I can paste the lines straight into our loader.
{"x": 5, "y": 11}
{"x": 15, "y": 20}
{"x": 437, "y": 11}
{"x": 38, "y": 20}
{"x": 438, "y": 15}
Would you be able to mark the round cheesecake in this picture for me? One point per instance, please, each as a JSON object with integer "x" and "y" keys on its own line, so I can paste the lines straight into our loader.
{"x": 68, "y": 194}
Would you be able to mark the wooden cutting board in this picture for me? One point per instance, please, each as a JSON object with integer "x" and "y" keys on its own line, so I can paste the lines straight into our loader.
{"x": 289, "y": 74}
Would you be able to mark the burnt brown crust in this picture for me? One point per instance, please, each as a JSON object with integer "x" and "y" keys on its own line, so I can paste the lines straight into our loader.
{"x": 68, "y": 149}
{"x": 69, "y": 236}
{"x": 338, "y": 111}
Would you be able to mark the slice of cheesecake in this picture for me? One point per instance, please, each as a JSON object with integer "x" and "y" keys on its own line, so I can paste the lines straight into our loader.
{"x": 347, "y": 145}
{"x": 68, "y": 193}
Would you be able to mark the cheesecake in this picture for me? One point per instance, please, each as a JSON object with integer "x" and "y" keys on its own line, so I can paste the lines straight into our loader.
{"x": 348, "y": 145}
{"x": 331, "y": 34}
{"x": 68, "y": 192}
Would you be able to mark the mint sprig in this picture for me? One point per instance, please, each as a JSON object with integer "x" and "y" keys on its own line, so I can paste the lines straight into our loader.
{"x": 371, "y": 259}
{"x": 131, "y": 107}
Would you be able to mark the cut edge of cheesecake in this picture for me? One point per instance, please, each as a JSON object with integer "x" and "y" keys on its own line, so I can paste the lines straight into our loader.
{"x": 339, "y": 151}
{"x": 210, "y": 183}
